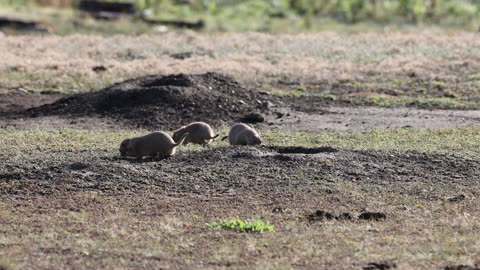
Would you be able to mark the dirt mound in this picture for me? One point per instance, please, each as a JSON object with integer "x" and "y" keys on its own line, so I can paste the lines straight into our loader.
{"x": 163, "y": 101}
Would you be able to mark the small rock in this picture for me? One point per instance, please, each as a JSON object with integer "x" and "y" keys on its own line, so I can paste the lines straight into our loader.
{"x": 22, "y": 90}
{"x": 160, "y": 28}
{"x": 253, "y": 118}
{"x": 278, "y": 210}
{"x": 266, "y": 93}
{"x": 268, "y": 104}
{"x": 372, "y": 216}
{"x": 99, "y": 69}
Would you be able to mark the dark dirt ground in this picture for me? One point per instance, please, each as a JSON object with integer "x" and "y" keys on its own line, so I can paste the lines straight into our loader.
{"x": 52, "y": 191}
{"x": 227, "y": 171}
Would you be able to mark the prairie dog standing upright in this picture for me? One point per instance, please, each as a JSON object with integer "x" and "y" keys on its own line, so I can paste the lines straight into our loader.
{"x": 199, "y": 133}
{"x": 242, "y": 134}
{"x": 153, "y": 144}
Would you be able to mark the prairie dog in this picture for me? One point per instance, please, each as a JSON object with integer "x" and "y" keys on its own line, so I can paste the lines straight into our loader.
{"x": 242, "y": 134}
{"x": 199, "y": 133}
{"x": 153, "y": 144}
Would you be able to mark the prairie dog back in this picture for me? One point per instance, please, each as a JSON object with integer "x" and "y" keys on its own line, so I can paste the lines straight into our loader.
{"x": 242, "y": 134}
{"x": 153, "y": 144}
{"x": 199, "y": 133}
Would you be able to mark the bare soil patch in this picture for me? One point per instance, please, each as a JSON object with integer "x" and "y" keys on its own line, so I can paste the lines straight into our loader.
{"x": 226, "y": 171}
{"x": 14, "y": 101}
{"x": 346, "y": 118}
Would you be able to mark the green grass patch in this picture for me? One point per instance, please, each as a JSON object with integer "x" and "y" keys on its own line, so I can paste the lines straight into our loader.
{"x": 464, "y": 141}
{"x": 242, "y": 226}
{"x": 451, "y": 102}
{"x": 52, "y": 82}
{"x": 301, "y": 91}
{"x": 449, "y": 140}
{"x": 296, "y": 92}
{"x": 290, "y": 16}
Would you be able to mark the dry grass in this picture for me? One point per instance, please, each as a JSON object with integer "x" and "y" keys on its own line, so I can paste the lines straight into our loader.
{"x": 405, "y": 65}
{"x": 248, "y": 57}
{"x": 147, "y": 230}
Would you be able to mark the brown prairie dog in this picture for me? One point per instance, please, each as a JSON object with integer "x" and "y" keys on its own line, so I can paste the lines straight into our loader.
{"x": 153, "y": 144}
{"x": 199, "y": 133}
{"x": 242, "y": 134}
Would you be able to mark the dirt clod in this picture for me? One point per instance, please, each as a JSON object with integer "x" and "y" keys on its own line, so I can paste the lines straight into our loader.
{"x": 461, "y": 267}
{"x": 457, "y": 198}
{"x": 320, "y": 215}
{"x": 253, "y": 118}
{"x": 99, "y": 69}
{"x": 344, "y": 216}
{"x": 182, "y": 55}
{"x": 376, "y": 216}
{"x": 379, "y": 266}
{"x": 78, "y": 166}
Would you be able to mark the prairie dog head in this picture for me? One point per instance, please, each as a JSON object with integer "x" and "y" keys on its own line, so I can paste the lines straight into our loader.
{"x": 124, "y": 146}
{"x": 242, "y": 134}
{"x": 178, "y": 134}
{"x": 253, "y": 138}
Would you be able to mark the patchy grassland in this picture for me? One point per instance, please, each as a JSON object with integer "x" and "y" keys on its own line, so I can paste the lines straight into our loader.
{"x": 68, "y": 201}
{"x": 145, "y": 230}
{"x": 55, "y": 224}
{"x": 452, "y": 140}
{"x": 434, "y": 69}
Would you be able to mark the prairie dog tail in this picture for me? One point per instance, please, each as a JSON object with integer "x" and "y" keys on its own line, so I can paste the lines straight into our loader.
{"x": 181, "y": 140}
{"x": 224, "y": 138}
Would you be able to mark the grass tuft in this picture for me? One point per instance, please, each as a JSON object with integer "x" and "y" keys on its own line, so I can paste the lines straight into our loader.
{"x": 242, "y": 226}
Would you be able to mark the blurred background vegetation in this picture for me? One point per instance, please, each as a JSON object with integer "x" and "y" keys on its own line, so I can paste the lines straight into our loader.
{"x": 297, "y": 15}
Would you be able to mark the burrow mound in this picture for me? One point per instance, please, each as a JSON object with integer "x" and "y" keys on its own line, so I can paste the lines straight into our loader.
{"x": 163, "y": 101}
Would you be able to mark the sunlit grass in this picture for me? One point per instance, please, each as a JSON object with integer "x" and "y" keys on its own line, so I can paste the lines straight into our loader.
{"x": 448, "y": 140}
{"x": 242, "y": 226}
